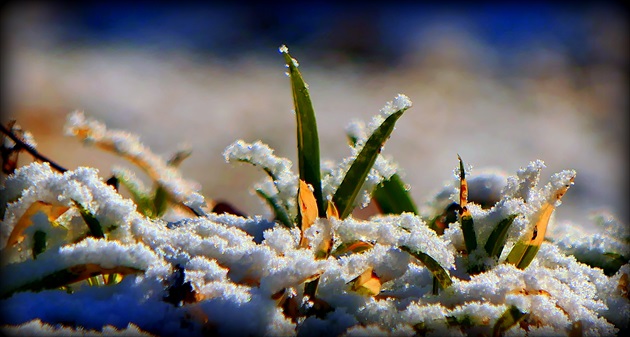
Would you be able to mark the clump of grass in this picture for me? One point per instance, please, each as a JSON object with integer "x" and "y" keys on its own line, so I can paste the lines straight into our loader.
{"x": 469, "y": 267}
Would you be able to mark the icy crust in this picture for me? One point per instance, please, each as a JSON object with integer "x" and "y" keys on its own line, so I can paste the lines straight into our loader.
{"x": 93, "y": 132}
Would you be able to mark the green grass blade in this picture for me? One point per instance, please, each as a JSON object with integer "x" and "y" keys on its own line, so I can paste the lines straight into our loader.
{"x": 160, "y": 199}
{"x": 141, "y": 199}
{"x": 509, "y": 318}
{"x": 393, "y": 198}
{"x": 90, "y": 220}
{"x": 609, "y": 262}
{"x": 279, "y": 212}
{"x": 470, "y": 239}
{"x": 355, "y": 177}
{"x": 434, "y": 267}
{"x": 496, "y": 241}
{"x": 307, "y": 138}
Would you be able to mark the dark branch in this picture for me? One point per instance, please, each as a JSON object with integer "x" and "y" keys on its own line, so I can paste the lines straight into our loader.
{"x": 21, "y": 144}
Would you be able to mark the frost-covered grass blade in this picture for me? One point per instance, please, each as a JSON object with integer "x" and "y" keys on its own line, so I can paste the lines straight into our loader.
{"x": 496, "y": 241}
{"x": 90, "y": 220}
{"x": 392, "y": 197}
{"x": 279, "y": 211}
{"x": 26, "y": 220}
{"x": 68, "y": 276}
{"x": 524, "y": 251}
{"x": 509, "y": 318}
{"x": 355, "y": 177}
{"x": 307, "y": 138}
{"x": 356, "y": 246}
{"x": 434, "y": 267}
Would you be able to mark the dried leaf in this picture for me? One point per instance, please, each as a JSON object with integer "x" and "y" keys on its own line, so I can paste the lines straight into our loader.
{"x": 331, "y": 211}
{"x": 509, "y": 318}
{"x": 524, "y": 251}
{"x": 308, "y": 210}
{"x": 368, "y": 283}
{"x": 51, "y": 211}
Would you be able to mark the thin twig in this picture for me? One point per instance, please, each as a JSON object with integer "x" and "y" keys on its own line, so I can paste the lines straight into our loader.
{"x": 31, "y": 150}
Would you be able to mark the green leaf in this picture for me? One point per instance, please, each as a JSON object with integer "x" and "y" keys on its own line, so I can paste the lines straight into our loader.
{"x": 393, "y": 198}
{"x": 355, "y": 177}
{"x": 609, "y": 262}
{"x": 468, "y": 229}
{"x": 39, "y": 243}
{"x": 90, "y": 220}
{"x": 496, "y": 241}
{"x": 140, "y": 198}
{"x": 279, "y": 211}
{"x": 160, "y": 199}
{"x": 434, "y": 267}
{"x": 307, "y": 138}
{"x": 509, "y": 318}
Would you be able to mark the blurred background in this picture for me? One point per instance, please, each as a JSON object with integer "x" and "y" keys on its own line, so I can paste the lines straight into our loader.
{"x": 499, "y": 84}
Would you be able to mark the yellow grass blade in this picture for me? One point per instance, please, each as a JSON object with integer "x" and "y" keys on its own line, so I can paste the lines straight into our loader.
{"x": 367, "y": 283}
{"x": 308, "y": 210}
{"x": 51, "y": 211}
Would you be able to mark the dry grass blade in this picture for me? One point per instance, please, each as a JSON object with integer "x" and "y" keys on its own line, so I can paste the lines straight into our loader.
{"x": 307, "y": 209}
{"x": 51, "y": 211}
{"x": 368, "y": 283}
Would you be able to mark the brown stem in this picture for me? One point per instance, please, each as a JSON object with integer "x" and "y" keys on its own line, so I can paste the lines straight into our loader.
{"x": 31, "y": 150}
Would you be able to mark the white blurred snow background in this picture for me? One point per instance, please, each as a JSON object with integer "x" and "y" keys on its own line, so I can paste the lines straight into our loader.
{"x": 501, "y": 85}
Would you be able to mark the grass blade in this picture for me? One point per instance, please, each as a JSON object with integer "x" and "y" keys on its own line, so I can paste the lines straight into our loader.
{"x": 90, "y": 220}
{"x": 160, "y": 199}
{"x": 68, "y": 276}
{"x": 307, "y": 138}
{"x": 434, "y": 267}
{"x": 393, "y": 198}
{"x": 496, "y": 241}
{"x": 135, "y": 188}
{"x": 368, "y": 283}
{"x": 509, "y": 318}
{"x": 279, "y": 212}
{"x": 465, "y": 217}
{"x": 355, "y": 177}
{"x": 524, "y": 251}
{"x": 307, "y": 210}
{"x": 356, "y": 246}
{"x": 25, "y": 221}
